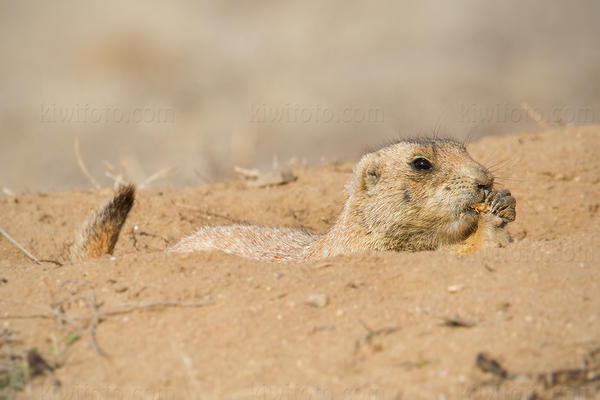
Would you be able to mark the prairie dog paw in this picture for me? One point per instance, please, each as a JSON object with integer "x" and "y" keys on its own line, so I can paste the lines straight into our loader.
{"x": 501, "y": 204}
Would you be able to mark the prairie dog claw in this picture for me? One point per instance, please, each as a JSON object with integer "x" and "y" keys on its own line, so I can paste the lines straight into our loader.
{"x": 500, "y": 203}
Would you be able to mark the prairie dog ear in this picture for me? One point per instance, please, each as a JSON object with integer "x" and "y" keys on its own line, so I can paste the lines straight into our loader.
{"x": 370, "y": 172}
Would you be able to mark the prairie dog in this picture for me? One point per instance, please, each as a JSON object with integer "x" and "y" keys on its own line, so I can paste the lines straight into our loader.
{"x": 416, "y": 194}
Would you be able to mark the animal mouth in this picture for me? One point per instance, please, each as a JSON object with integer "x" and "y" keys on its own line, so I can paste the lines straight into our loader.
{"x": 479, "y": 207}
{"x": 475, "y": 206}
{"x": 469, "y": 210}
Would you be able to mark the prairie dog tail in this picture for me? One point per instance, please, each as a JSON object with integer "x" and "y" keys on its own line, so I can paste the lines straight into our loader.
{"x": 99, "y": 233}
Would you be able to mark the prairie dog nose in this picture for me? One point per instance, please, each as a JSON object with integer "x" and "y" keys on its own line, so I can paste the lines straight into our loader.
{"x": 481, "y": 177}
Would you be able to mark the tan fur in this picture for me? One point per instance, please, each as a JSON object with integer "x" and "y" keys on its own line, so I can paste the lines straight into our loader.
{"x": 490, "y": 232}
{"x": 100, "y": 231}
{"x": 390, "y": 206}
{"x": 257, "y": 242}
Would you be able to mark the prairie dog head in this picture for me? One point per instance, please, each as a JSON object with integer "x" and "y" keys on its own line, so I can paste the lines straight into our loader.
{"x": 415, "y": 194}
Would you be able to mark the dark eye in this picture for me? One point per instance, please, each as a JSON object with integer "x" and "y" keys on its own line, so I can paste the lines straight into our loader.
{"x": 421, "y": 164}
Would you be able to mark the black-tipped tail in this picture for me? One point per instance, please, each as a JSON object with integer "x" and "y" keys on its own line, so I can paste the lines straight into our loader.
{"x": 99, "y": 234}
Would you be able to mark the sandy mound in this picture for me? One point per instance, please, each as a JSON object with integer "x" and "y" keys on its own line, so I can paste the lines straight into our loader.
{"x": 234, "y": 328}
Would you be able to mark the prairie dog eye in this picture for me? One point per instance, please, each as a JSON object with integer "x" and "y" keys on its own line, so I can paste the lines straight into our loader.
{"x": 421, "y": 164}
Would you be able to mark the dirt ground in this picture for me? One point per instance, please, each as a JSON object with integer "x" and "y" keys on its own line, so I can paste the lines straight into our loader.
{"x": 395, "y": 326}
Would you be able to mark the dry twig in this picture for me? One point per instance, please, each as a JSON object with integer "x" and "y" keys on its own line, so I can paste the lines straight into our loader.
{"x": 163, "y": 173}
{"x": 536, "y": 116}
{"x": 247, "y": 173}
{"x": 94, "y": 321}
{"x": 18, "y": 246}
{"x": 61, "y": 318}
{"x": 82, "y": 165}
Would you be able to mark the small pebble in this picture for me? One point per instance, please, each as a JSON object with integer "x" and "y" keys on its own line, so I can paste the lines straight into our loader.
{"x": 317, "y": 300}
{"x": 592, "y": 318}
{"x": 455, "y": 288}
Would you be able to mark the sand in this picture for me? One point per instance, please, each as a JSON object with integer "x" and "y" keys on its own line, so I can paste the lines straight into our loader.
{"x": 379, "y": 326}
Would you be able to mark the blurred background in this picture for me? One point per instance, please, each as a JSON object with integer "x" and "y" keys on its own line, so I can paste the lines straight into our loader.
{"x": 205, "y": 86}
